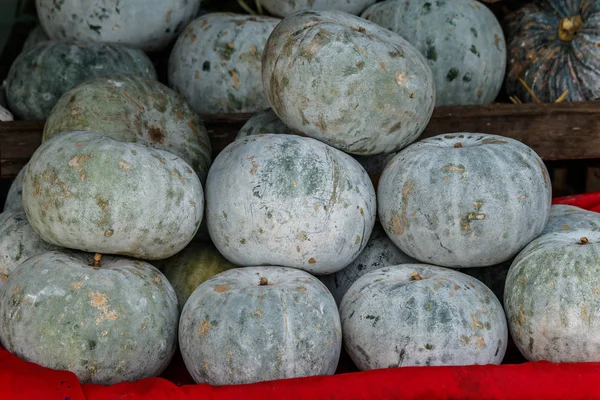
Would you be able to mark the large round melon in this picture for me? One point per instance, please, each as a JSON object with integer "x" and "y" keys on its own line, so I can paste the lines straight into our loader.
{"x": 216, "y": 63}
{"x": 14, "y": 198}
{"x": 257, "y": 324}
{"x": 464, "y": 199}
{"x": 422, "y": 315}
{"x": 283, "y": 8}
{"x": 93, "y": 193}
{"x": 380, "y": 252}
{"x": 107, "y": 324}
{"x": 134, "y": 109}
{"x": 461, "y": 39}
{"x": 290, "y": 201}
{"x": 40, "y": 75}
{"x": 189, "y": 268}
{"x": 565, "y": 217}
{"x": 148, "y": 24}
{"x": 265, "y": 121}
{"x": 552, "y": 298}
{"x": 347, "y": 82}
{"x": 18, "y": 242}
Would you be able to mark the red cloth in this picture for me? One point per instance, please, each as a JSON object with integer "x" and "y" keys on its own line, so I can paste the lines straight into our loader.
{"x": 589, "y": 201}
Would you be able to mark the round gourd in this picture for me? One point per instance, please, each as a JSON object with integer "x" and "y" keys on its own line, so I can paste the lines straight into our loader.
{"x": 290, "y": 201}
{"x": 134, "y": 109}
{"x": 380, "y": 252}
{"x": 565, "y": 217}
{"x": 189, "y": 268}
{"x": 464, "y": 199}
{"x": 41, "y": 75}
{"x": 265, "y": 121}
{"x": 14, "y": 198}
{"x": 283, "y": 8}
{"x": 422, "y": 315}
{"x": 147, "y": 24}
{"x": 93, "y": 193}
{"x": 461, "y": 39}
{"x": 551, "y": 297}
{"x": 18, "y": 242}
{"x": 36, "y": 36}
{"x": 216, "y": 63}
{"x": 554, "y": 47}
{"x": 107, "y": 324}
{"x": 257, "y": 324}
{"x": 347, "y": 82}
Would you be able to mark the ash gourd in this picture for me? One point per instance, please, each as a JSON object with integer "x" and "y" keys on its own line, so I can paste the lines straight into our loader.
{"x": 284, "y": 8}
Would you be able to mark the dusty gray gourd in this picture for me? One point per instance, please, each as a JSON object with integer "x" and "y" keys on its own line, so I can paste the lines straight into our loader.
{"x": 348, "y": 82}
{"x": 422, "y": 315}
{"x": 14, "y": 198}
{"x": 93, "y": 193}
{"x": 464, "y": 199}
{"x": 257, "y": 324}
{"x": 565, "y": 217}
{"x": 284, "y": 8}
{"x": 290, "y": 201}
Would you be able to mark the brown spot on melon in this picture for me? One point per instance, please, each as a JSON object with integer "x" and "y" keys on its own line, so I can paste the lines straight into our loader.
{"x": 222, "y": 288}
{"x": 156, "y": 134}
{"x": 204, "y": 327}
{"x": 401, "y": 78}
{"x": 236, "y": 81}
{"x": 397, "y": 227}
{"x": 124, "y": 165}
{"x": 521, "y": 317}
{"x": 254, "y": 167}
{"x": 133, "y": 101}
{"x": 179, "y": 115}
{"x": 476, "y": 324}
{"x": 312, "y": 261}
{"x": 480, "y": 342}
{"x": 298, "y": 249}
{"x": 98, "y": 300}
{"x": 77, "y": 285}
{"x": 104, "y": 333}
{"x": 168, "y": 16}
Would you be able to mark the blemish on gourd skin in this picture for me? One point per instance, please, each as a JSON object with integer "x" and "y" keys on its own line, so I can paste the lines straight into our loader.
{"x": 452, "y": 74}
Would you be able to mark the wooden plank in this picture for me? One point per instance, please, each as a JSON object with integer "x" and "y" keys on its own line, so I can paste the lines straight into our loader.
{"x": 566, "y": 131}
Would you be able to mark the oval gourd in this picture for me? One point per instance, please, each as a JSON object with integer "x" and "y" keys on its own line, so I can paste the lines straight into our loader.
{"x": 41, "y": 75}
{"x": 464, "y": 199}
{"x": 134, "y": 109}
{"x": 290, "y": 201}
{"x": 565, "y": 217}
{"x": 283, "y": 8}
{"x": 191, "y": 267}
{"x": 551, "y": 297}
{"x": 347, "y": 82}
{"x": 379, "y": 252}
{"x": 110, "y": 324}
{"x": 422, "y": 315}
{"x": 18, "y": 242}
{"x": 216, "y": 63}
{"x": 89, "y": 192}
{"x": 14, "y": 198}
{"x": 257, "y": 324}
{"x": 461, "y": 39}
{"x": 147, "y": 24}
{"x": 554, "y": 47}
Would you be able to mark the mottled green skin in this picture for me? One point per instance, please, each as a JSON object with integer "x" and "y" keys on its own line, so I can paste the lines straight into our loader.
{"x": 147, "y": 24}
{"x": 552, "y": 298}
{"x": 18, "y": 242}
{"x": 265, "y": 121}
{"x": 93, "y": 193}
{"x": 189, "y": 268}
{"x": 565, "y": 217}
{"x": 347, "y": 82}
{"x": 14, "y": 198}
{"x": 390, "y": 320}
{"x": 36, "y": 36}
{"x": 290, "y": 201}
{"x": 464, "y": 199}
{"x": 284, "y": 8}
{"x": 40, "y": 75}
{"x": 493, "y": 277}
{"x": 216, "y": 63}
{"x": 234, "y": 331}
{"x": 380, "y": 252}
{"x": 110, "y": 324}
{"x": 134, "y": 109}
{"x": 461, "y": 39}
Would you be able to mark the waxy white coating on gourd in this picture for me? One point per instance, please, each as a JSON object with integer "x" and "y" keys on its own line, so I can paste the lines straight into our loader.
{"x": 191, "y": 267}
{"x": 380, "y": 252}
{"x": 18, "y": 242}
{"x": 565, "y": 217}
{"x": 265, "y": 121}
{"x": 461, "y": 39}
{"x": 110, "y": 324}
{"x": 290, "y": 201}
{"x": 14, "y": 198}
{"x": 216, "y": 63}
{"x": 93, "y": 193}
{"x": 347, "y": 82}
{"x": 40, "y": 75}
{"x": 134, "y": 109}
{"x": 464, "y": 199}
{"x": 284, "y": 8}
{"x": 552, "y": 298}
{"x": 147, "y": 24}
{"x": 234, "y": 330}
{"x": 422, "y": 315}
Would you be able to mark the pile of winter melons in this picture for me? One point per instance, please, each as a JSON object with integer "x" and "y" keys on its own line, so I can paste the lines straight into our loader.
{"x": 260, "y": 247}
